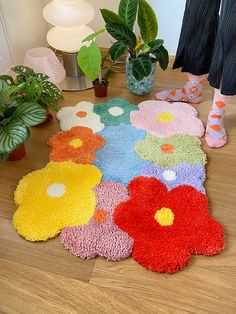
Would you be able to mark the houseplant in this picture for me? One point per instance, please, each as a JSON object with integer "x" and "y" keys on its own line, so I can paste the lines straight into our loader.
{"x": 33, "y": 88}
{"x": 91, "y": 62}
{"x": 15, "y": 118}
{"x": 144, "y": 51}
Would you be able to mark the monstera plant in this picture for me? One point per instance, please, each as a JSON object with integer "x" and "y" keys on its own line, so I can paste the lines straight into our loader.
{"x": 144, "y": 50}
{"x": 33, "y": 88}
{"x": 15, "y": 118}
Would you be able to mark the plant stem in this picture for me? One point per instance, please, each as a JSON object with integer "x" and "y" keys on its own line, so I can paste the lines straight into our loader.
{"x": 100, "y": 76}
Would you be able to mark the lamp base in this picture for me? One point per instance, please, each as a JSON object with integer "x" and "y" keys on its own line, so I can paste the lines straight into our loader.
{"x": 75, "y": 79}
{"x": 76, "y": 83}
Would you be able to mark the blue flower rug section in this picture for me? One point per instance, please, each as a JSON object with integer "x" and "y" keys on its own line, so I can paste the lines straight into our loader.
{"x": 117, "y": 159}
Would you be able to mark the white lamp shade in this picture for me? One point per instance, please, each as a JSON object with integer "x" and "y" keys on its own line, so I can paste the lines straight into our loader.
{"x": 68, "y": 13}
{"x": 67, "y": 39}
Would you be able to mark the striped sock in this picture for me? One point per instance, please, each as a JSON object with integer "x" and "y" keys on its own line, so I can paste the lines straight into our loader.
{"x": 191, "y": 92}
{"x": 215, "y": 132}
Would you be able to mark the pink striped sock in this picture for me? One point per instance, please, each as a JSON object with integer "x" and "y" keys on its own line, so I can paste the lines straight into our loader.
{"x": 191, "y": 92}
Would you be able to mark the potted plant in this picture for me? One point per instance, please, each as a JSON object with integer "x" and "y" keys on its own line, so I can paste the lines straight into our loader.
{"x": 144, "y": 51}
{"x": 15, "y": 119}
{"x": 33, "y": 88}
{"x": 91, "y": 62}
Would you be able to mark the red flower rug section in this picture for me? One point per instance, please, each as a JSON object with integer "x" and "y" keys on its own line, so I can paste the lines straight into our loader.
{"x": 78, "y": 144}
{"x": 167, "y": 227}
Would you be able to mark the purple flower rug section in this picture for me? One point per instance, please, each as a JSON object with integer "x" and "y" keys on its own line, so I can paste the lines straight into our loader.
{"x": 183, "y": 174}
{"x": 101, "y": 237}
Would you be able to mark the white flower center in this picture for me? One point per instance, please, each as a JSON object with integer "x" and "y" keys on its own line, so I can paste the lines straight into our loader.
{"x": 56, "y": 190}
{"x": 169, "y": 175}
{"x": 116, "y": 111}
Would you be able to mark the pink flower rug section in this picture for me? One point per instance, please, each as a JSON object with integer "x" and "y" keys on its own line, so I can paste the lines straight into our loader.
{"x": 101, "y": 237}
{"x": 163, "y": 119}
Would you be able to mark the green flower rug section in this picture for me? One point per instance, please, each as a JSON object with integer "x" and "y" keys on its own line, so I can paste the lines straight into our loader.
{"x": 171, "y": 151}
{"x": 115, "y": 111}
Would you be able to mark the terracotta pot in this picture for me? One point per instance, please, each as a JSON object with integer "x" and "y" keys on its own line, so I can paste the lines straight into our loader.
{"x": 46, "y": 121}
{"x": 100, "y": 90}
{"x": 17, "y": 154}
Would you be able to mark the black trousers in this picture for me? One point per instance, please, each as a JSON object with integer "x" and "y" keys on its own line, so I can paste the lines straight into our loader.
{"x": 208, "y": 42}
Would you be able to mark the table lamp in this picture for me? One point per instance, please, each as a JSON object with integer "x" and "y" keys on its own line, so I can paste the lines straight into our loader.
{"x": 69, "y": 18}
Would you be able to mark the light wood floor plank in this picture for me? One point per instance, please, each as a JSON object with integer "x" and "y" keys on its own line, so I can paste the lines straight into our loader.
{"x": 25, "y": 290}
{"x": 50, "y": 256}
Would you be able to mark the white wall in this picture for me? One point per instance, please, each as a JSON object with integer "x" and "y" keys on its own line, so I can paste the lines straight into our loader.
{"x": 170, "y": 15}
{"x": 27, "y": 29}
{"x": 5, "y": 53}
{"x": 25, "y": 25}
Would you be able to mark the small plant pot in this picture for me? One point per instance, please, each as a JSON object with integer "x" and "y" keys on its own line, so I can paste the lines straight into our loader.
{"x": 47, "y": 119}
{"x": 100, "y": 90}
{"x": 17, "y": 153}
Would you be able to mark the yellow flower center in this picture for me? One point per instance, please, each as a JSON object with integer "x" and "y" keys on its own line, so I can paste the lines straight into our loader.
{"x": 165, "y": 217}
{"x": 165, "y": 117}
{"x": 76, "y": 143}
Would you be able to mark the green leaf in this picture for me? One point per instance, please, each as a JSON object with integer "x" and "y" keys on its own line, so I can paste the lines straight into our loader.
{"x": 41, "y": 76}
{"x": 52, "y": 90}
{"x": 23, "y": 70}
{"x": 147, "y": 22}
{"x": 128, "y": 11}
{"x": 122, "y": 34}
{"x": 163, "y": 57}
{"x": 8, "y": 79}
{"x": 89, "y": 59}
{"x": 117, "y": 50}
{"x": 4, "y": 157}
{"x": 111, "y": 17}
{"x": 93, "y": 35}
{"x": 3, "y": 85}
{"x": 156, "y": 44}
{"x": 30, "y": 114}
{"x": 142, "y": 67}
{"x": 12, "y": 135}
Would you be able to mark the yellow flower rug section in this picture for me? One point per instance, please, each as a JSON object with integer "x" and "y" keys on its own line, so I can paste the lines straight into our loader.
{"x": 49, "y": 199}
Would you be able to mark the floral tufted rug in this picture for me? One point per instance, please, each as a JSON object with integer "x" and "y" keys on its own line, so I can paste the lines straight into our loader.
{"x": 123, "y": 180}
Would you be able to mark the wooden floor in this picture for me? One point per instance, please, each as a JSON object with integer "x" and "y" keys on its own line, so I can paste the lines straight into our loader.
{"x": 45, "y": 278}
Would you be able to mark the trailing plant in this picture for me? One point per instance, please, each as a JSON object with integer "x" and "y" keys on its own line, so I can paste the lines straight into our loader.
{"x": 15, "y": 118}
{"x": 90, "y": 59}
{"x": 33, "y": 87}
{"x": 143, "y": 49}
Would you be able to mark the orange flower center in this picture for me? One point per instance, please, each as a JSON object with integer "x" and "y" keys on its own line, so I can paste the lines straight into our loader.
{"x": 167, "y": 148}
{"x": 76, "y": 143}
{"x": 100, "y": 215}
{"x": 165, "y": 217}
{"x": 81, "y": 114}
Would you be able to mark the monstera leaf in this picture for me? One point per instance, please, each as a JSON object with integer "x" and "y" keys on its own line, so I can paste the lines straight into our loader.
{"x": 122, "y": 34}
{"x": 89, "y": 59}
{"x": 142, "y": 67}
{"x": 117, "y": 50}
{"x": 128, "y": 11}
{"x": 147, "y": 22}
{"x": 12, "y": 135}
